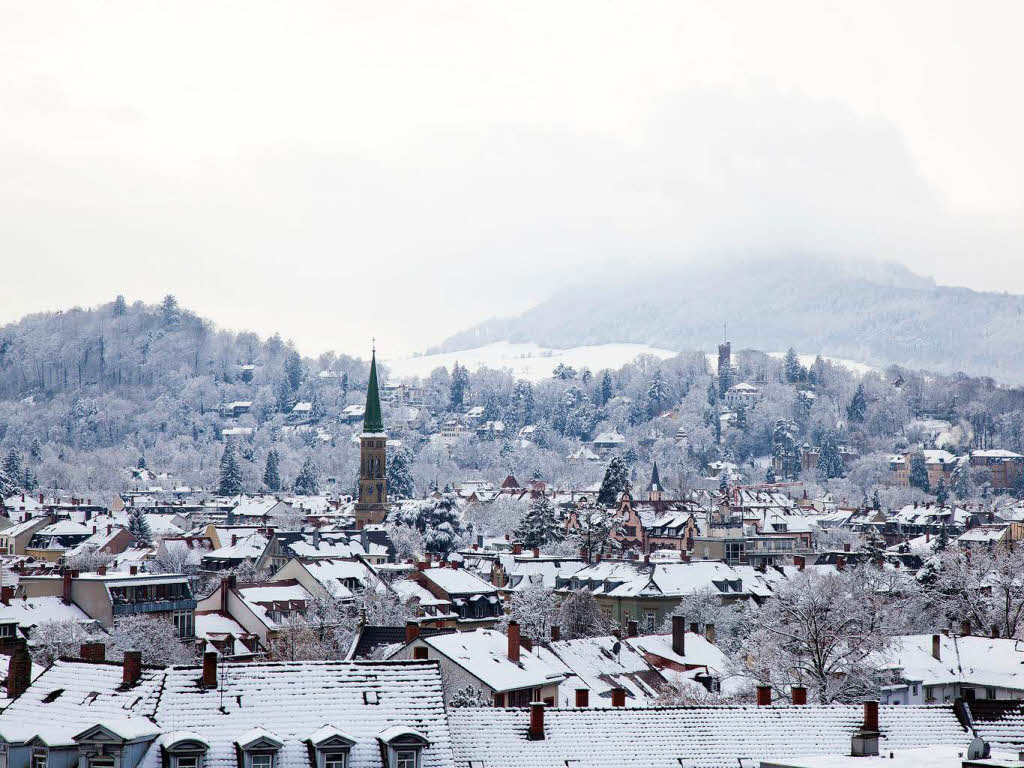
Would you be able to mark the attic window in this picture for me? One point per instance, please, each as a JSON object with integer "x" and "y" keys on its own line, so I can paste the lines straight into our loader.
{"x": 370, "y": 697}
{"x": 53, "y": 696}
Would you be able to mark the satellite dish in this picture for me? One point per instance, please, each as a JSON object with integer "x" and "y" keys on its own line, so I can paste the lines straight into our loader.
{"x": 978, "y": 749}
{"x": 617, "y": 647}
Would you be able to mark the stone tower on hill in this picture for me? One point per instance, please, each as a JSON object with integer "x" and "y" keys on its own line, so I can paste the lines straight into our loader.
{"x": 371, "y": 508}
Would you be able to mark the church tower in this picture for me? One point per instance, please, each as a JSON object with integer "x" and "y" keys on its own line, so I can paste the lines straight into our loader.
{"x": 373, "y": 491}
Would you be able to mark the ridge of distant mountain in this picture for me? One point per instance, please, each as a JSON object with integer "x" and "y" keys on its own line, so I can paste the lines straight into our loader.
{"x": 877, "y": 313}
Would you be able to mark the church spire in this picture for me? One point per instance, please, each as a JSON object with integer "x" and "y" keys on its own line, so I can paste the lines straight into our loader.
{"x": 372, "y": 422}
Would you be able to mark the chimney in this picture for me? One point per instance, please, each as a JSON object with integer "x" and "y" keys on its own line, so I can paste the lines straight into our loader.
{"x": 513, "y": 643}
{"x": 840, "y": 563}
{"x": 556, "y": 633}
{"x": 132, "y": 668}
{"x": 686, "y": 557}
{"x": 110, "y": 529}
{"x": 764, "y": 695}
{"x": 582, "y": 698}
{"x": 316, "y": 536}
{"x": 234, "y": 539}
{"x": 210, "y": 669}
{"x": 422, "y": 565}
{"x": 93, "y": 652}
{"x": 799, "y": 562}
{"x": 412, "y": 630}
{"x": 846, "y": 547}
{"x": 937, "y": 647}
{"x": 225, "y": 588}
{"x": 618, "y": 697}
{"x": 525, "y": 643}
{"x": 537, "y": 721}
{"x": 946, "y": 632}
{"x": 102, "y": 570}
{"x": 597, "y": 558}
{"x": 517, "y": 549}
{"x": 679, "y": 635}
{"x": 927, "y": 537}
{"x": 19, "y": 671}
{"x": 799, "y": 693}
{"x": 965, "y": 628}
{"x": 694, "y": 628}
{"x": 455, "y": 565}
{"x": 632, "y": 628}
{"x": 6, "y": 593}
{"x": 585, "y": 554}
{"x": 647, "y": 559}
{"x": 536, "y": 552}
{"x": 709, "y": 633}
{"x": 66, "y": 592}
{"x": 995, "y": 631}
{"x": 133, "y": 570}
{"x": 870, "y": 715}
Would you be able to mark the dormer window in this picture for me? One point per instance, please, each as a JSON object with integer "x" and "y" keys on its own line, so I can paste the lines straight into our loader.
{"x": 332, "y": 747}
{"x": 260, "y": 748}
{"x": 187, "y": 750}
{"x": 404, "y": 746}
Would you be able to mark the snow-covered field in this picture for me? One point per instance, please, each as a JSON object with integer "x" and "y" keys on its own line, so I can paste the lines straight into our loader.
{"x": 851, "y": 365}
{"x": 527, "y": 361}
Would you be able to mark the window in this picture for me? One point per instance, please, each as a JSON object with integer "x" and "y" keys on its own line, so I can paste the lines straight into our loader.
{"x": 405, "y": 758}
{"x": 38, "y": 758}
{"x": 261, "y": 760}
{"x": 186, "y": 761}
{"x": 913, "y": 689}
{"x": 650, "y": 617}
{"x": 185, "y": 623}
{"x": 336, "y": 760}
{"x": 102, "y": 761}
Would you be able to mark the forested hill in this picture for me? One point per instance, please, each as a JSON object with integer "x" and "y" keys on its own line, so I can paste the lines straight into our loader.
{"x": 878, "y": 315}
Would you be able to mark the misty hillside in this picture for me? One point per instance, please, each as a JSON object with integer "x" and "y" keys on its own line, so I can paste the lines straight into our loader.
{"x": 875, "y": 314}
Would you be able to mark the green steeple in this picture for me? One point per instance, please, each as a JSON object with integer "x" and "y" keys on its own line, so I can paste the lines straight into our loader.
{"x": 655, "y": 480}
{"x": 372, "y": 421}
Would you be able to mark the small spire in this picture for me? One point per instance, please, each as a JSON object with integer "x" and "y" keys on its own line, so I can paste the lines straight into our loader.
{"x": 372, "y": 421}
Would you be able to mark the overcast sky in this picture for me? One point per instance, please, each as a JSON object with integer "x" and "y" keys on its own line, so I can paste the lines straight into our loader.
{"x": 341, "y": 170}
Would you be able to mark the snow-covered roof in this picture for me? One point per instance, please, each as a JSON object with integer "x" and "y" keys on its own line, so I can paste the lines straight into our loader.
{"x": 246, "y": 548}
{"x": 982, "y": 661}
{"x": 697, "y": 652}
{"x": 703, "y": 737}
{"x": 34, "y": 610}
{"x": 600, "y": 664}
{"x": 458, "y": 581}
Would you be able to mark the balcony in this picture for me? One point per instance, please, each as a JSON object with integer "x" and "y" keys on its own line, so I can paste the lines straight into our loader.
{"x": 154, "y": 606}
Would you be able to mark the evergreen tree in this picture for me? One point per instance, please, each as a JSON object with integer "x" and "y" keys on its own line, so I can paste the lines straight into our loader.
{"x": 785, "y": 448}
{"x": 960, "y": 481}
{"x": 307, "y": 483}
{"x": 272, "y": 471}
{"x": 830, "y": 461}
{"x": 919, "y": 472}
{"x": 138, "y": 526}
{"x": 284, "y": 395}
{"x": 492, "y": 407}
{"x": 317, "y": 410}
{"x": 441, "y": 525}
{"x": 120, "y": 306}
{"x": 876, "y": 501}
{"x": 857, "y": 410}
{"x": 230, "y": 472}
{"x": 399, "y": 474}
{"x": 29, "y": 482}
{"x": 170, "y": 312}
{"x": 12, "y": 465}
{"x": 35, "y": 450}
{"x": 941, "y": 492}
{"x": 141, "y": 463}
{"x": 459, "y": 387}
{"x": 586, "y": 376}
{"x": 942, "y": 540}
{"x": 564, "y": 372}
{"x": 616, "y": 481}
{"x": 539, "y": 525}
{"x": 523, "y": 403}
{"x": 712, "y": 395}
{"x": 657, "y": 393}
{"x": 769, "y": 475}
{"x": 791, "y": 366}
{"x": 741, "y": 418}
{"x": 294, "y": 370}
{"x": 723, "y": 482}
{"x": 606, "y": 389}
{"x": 7, "y": 484}
{"x": 875, "y": 548}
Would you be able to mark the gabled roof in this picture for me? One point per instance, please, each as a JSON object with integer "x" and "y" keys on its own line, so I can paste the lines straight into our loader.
{"x": 371, "y": 639}
{"x": 705, "y": 737}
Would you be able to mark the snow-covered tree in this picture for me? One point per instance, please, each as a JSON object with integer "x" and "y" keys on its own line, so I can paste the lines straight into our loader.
{"x": 857, "y": 410}
{"x": 535, "y": 608}
{"x": 821, "y": 630}
{"x": 705, "y": 606}
{"x": 918, "y": 472}
{"x": 156, "y": 638}
{"x": 941, "y": 542}
{"x": 439, "y": 522}
{"x": 230, "y": 483}
{"x": 12, "y": 465}
{"x": 785, "y": 448}
{"x": 540, "y": 524}
{"x": 399, "y": 471}
{"x": 941, "y": 492}
{"x": 307, "y": 482}
{"x": 983, "y": 587}
{"x": 605, "y": 390}
{"x": 294, "y": 370}
{"x": 579, "y": 615}
{"x": 459, "y": 386}
{"x": 55, "y": 638}
{"x": 407, "y": 541}
{"x": 120, "y": 306}
{"x": 470, "y": 696}
{"x": 830, "y": 461}
{"x": 138, "y": 526}
{"x": 89, "y": 558}
{"x": 616, "y": 481}
{"x": 960, "y": 481}
{"x": 323, "y": 632}
{"x": 657, "y": 393}
{"x": 170, "y": 312}
{"x": 272, "y": 471}
{"x": 791, "y": 366}
{"x": 596, "y": 530}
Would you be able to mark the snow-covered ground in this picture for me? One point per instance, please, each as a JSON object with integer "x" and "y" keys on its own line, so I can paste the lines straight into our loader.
{"x": 807, "y": 360}
{"x": 527, "y": 361}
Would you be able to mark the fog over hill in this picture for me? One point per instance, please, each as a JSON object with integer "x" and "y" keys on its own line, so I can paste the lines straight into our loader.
{"x": 875, "y": 313}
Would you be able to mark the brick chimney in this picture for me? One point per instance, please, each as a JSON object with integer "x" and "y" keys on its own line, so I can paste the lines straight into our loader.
{"x": 764, "y": 695}
{"x": 422, "y": 565}
{"x": 799, "y": 562}
{"x": 536, "y": 552}
{"x": 632, "y": 628}
{"x": 93, "y": 652}
{"x": 709, "y": 633}
{"x": 133, "y": 570}
{"x": 965, "y": 628}
{"x": 679, "y": 635}
{"x": 686, "y": 557}
{"x": 618, "y": 697}
{"x": 585, "y": 554}
{"x": 132, "y": 669}
{"x": 66, "y": 590}
{"x": 799, "y": 694}
{"x": 513, "y": 642}
{"x": 840, "y": 563}
{"x": 210, "y": 669}
{"x": 865, "y": 740}
{"x": 597, "y": 558}
{"x": 102, "y": 570}
{"x": 694, "y": 628}
{"x": 6, "y": 593}
{"x": 517, "y": 549}
{"x": 412, "y": 631}
{"x": 537, "y": 721}
{"x": 582, "y": 698}
{"x": 870, "y": 715}
{"x": 937, "y": 647}
{"x": 556, "y": 633}
{"x": 19, "y": 671}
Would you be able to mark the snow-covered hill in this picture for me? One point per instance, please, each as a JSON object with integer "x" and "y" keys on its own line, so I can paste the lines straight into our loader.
{"x": 527, "y": 361}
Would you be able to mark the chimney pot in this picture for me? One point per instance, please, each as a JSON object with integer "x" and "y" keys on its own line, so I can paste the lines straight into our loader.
{"x": 764, "y": 695}
{"x": 870, "y": 715}
{"x": 618, "y": 697}
{"x": 632, "y": 628}
{"x": 582, "y": 698}
{"x": 799, "y": 694}
{"x": 679, "y": 635}
{"x": 19, "y": 671}
{"x": 597, "y": 558}
{"x": 6, "y": 593}
{"x": 556, "y": 633}
{"x": 937, "y": 647}
{"x": 66, "y": 587}
{"x": 132, "y": 669}
{"x": 513, "y": 641}
{"x": 102, "y": 570}
{"x": 210, "y": 669}
{"x": 709, "y": 633}
{"x": 537, "y": 721}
